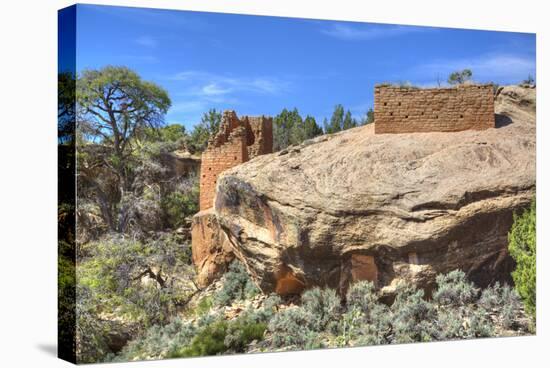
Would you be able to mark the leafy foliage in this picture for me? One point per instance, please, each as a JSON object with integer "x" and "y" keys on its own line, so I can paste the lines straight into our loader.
{"x": 340, "y": 121}
{"x": 369, "y": 117}
{"x": 292, "y": 328}
{"x": 142, "y": 282}
{"x": 182, "y": 202}
{"x": 159, "y": 341}
{"x": 523, "y": 248}
{"x": 290, "y": 129}
{"x": 460, "y": 77}
{"x": 412, "y": 316}
{"x": 505, "y": 301}
{"x": 237, "y": 285}
{"x": 453, "y": 289}
{"x": 116, "y": 105}
{"x": 210, "y": 122}
{"x": 324, "y": 307}
{"x": 366, "y": 320}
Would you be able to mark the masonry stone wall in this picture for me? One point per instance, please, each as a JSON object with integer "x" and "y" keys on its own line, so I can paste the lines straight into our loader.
{"x": 409, "y": 110}
{"x": 237, "y": 141}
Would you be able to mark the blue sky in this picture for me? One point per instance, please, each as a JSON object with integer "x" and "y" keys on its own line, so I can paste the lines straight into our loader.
{"x": 260, "y": 65}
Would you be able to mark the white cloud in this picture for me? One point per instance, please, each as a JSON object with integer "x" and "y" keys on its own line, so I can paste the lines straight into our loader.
{"x": 200, "y": 91}
{"x": 146, "y": 41}
{"x": 368, "y": 32}
{"x": 492, "y": 67}
{"x": 214, "y": 89}
{"x": 210, "y": 84}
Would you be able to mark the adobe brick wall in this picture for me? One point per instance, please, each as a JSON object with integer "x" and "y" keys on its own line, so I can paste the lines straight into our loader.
{"x": 237, "y": 141}
{"x": 409, "y": 110}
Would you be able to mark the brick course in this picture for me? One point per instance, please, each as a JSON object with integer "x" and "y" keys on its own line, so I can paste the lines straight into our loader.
{"x": 237, "y": 141}
{"x": 409, "y": 110}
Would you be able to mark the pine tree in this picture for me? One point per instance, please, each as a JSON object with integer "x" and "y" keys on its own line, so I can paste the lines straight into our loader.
{"x": 336, "y": 121}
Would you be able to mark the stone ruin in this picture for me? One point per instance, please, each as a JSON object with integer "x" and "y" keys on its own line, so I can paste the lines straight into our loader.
{"x": 411, "y": 110}
{"x": 237, "y": 141}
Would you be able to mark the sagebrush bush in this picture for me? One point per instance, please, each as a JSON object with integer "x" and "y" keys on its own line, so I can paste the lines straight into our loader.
{"x": 322, "y": 321}
{"x": 523, "y": 249}
{"x": 293, "y": 328}
{"x": 237, "y": 285}
{"x": 505, "y": 301}
{"x": 242, "y": 332}
{"x": 159, "y": 341}
{"x": 463, "y": 322}
{"x": 269, "y": 309}
{"x": 362, "y": 295}
{"x": 454, "y": 289}
{"x": 367, "y": 319}
{"x": 412, "y": 316}
{"x": 324, "y": 306}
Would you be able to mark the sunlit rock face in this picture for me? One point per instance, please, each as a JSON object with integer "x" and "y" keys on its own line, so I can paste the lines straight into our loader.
{"x": 382, "y": 207}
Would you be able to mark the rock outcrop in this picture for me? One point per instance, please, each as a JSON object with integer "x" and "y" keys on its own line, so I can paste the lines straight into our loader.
{"x": 212, "y": 252}
{"x": 384, "y": 207}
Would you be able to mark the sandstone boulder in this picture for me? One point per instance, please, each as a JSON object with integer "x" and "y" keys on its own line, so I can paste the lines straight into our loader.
{"x": 384, "y": 207}
{"x": 211, "y": 250}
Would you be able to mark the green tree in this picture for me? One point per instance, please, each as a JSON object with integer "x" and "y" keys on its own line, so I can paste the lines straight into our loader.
{"x": 66, "y": 103}
{"x": 340, "y": 120}
{"x": 286, "y": 126}
{"x": 206, "y": 128}
{"x": 290, "y": 129}
{"x": 168, "y": 133}
{"x": 172, "y": 132}
{"x": 114, "y": 106}
{"x": 348, "y": 122}
{"x": 368, "y": 118}
{"x": 460, "y": 77}
{"x": 311, "y": 128}
{"x": 336, "y": 121}
{"x": 522, "y": 246}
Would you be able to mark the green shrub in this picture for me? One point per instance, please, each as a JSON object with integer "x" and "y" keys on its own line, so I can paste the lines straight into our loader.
{"x": 362, "y": 295}
{"x": 292, "y": 328}
{"x": 301, "y": 327}
{"x": 412, "y": 316}
{"x": 182, "y": 202}
{"x": 522, "y": 246}
{"x": 505, "y": 301}
{"x": 265, "y": 313}
{"x": 454, "y": 289}
{"x": 324, "y": 307}
{"x": 203, "y": 306}
{"x": 463, "y": 322}
{"x": 141, "y": 281}
{"x": 222, "y": 336}
{"x": 479, "y": 325}
{"x": 237, "y": 285}
{"x": 366, "y": 320}
{"x": 159, "y": 341}
{"x": 460, "y": 77}
{"x": 242, "y": 332}
{"x": 208, "y": 341}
